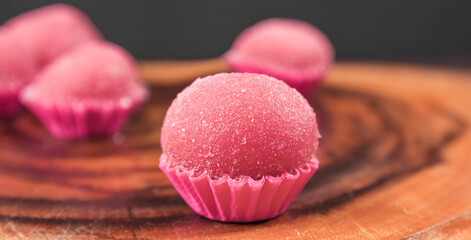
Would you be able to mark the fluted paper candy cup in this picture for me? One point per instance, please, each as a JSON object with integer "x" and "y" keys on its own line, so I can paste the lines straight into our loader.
{"x": 86, "y": 118}
{"x": 245, "y": 200}
{"x": 9, "y": 103}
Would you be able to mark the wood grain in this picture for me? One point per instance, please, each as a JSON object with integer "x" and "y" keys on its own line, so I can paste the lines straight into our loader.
{"x": 457, "y": 228}
{"x": 395, "y": 163}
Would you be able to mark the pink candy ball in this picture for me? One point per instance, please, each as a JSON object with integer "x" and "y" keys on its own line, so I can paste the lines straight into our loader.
{"x": 16, "y": 67}
{"x": 290, "y": 50}
{"x": 16, "y": 70}
{"x": 237, "y": 125}
{"x": 50, "y": 31}
{"x": 96, "y": 71}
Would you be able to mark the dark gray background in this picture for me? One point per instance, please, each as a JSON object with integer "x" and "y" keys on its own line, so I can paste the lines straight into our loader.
{"x": 206, "y": 28}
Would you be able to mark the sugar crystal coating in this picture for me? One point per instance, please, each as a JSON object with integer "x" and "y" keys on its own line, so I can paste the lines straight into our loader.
{"x": 239, "y": 124}
{"x": 50, "y": 31}
{"x": 97, "y": 71}
{"x": 288, "y": 49}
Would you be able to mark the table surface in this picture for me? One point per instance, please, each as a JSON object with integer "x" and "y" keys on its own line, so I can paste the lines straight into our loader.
{"x": 395, "y": 163}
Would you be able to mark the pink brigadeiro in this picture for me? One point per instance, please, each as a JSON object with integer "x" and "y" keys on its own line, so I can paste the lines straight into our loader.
{"x": 89, "y": 91}
{"x": 290, "y": 50}
{"x": 51, "y": 31}
{"x": 239, "y": 147}
{"x": 17, "y": 69}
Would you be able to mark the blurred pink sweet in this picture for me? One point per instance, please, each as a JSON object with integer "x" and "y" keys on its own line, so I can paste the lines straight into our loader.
{"x": 290, "y": 50}
{"x": 51, "y": 31}
{"x": 16, "y": 71}
{"x": 89, "y": 91}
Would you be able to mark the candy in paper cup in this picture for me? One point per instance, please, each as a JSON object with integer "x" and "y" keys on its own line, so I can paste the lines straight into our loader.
{"x": 293, "y": 51}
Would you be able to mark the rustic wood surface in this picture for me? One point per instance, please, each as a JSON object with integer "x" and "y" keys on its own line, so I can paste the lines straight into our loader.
{"x": 395, "y": 163}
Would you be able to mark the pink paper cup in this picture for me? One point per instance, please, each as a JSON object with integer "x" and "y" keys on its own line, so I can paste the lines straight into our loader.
{"x": 85, "y": 118}
{"x": 245, "y": 200}
{"x": 10, "y": 105}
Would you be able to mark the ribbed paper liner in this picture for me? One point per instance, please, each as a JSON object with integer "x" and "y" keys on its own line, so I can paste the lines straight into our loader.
{"x": 245, "y": 200}
{"x": 9, "y": 103}
{"x": 89, "y": 118}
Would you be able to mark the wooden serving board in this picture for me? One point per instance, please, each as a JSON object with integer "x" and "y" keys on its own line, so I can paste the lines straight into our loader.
{"x": 395, "y": 163}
